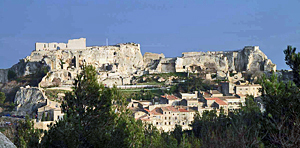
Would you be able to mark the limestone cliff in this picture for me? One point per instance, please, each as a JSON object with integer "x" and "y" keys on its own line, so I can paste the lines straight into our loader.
{"x": 112, "y": 62}
{"x": 151, "y": 60}
{"x": 117, "y": 64}
{"x": 251, "y": 58}
{"x": 5, "y": 142}
{"x": 28, "y": 100}
{"x": 22, "y": 68}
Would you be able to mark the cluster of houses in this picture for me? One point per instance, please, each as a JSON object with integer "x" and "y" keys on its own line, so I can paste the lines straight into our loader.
{"x": 171, "y": 110}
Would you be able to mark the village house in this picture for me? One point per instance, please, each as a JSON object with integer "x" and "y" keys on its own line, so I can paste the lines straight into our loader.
{"x": 51, "y": 111}
{"x": 48, "y": 114}
{"x": 233, "y": 102}
{"x": 243, "y": 88}
{"x": 165, "y": 118}
{"x": 248, "y": 89}
{"x": 169, "y": 99}
{"x": 216, "y": 103}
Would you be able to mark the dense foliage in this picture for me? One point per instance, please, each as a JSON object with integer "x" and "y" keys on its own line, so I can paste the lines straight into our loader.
{"x": 26, "y": 135}
{"x": 2, "y": 97}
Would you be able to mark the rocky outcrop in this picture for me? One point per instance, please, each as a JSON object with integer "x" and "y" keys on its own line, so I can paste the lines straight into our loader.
{"x": 28, "y": 100}
{"x": 251, "y": 58}
{"x": 23, "y": 68}
{"x": 122, "y": 59}
{"x": 3, "y": 75}
{"x": 117, "y": 64}
{"x": 151, "y": 60}
{"x": 5, "y": 142}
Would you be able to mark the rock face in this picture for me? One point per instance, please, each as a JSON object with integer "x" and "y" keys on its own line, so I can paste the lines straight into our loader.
{"x": 152, "y": 60}
{"x": 118, "y": 64}
{"x": 3, "y": 75}
{"x": 28, "y": 100}
{"x": 5, "y": 142}
{"x": 251, "y": 58}
{"x": 22, "y": 68}
{"x": 115, "y": 64}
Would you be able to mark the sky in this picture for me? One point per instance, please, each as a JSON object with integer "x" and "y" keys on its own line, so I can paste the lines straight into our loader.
{"x": 160, "y": 26}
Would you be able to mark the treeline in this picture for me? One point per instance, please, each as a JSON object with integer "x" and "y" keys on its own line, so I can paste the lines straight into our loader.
{"x": 97, "y": 117}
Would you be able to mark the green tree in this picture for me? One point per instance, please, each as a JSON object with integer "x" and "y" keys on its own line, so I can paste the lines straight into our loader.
{"x": 293, "y": 60}
{"x": 177, "y": 133}
{"x": 2, "y": 97}
{"x": 11, "y": 75}
{"x": 282, "y": 115}
{"x": 96, "y": 116}
{"x": 26, "y": 135}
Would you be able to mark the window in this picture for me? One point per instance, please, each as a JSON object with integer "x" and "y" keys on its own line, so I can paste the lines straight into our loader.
{"x": 169, "y": 118}
{"x": 165, "y": 112}
{"x": 169, "y": 112}
{"x": 156, "y": 123}
{"x": 165, "y": 123}
{"x": 44, "y": 45}
{"x": 175, "y": 118}
{"x": 54, "y": 46}
{"x": 165, "y": 118}
{"x": 169, "y": 123}
{"x": 182, "y": 123}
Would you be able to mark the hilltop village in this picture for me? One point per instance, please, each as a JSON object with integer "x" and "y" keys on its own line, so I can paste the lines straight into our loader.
{"x": 38, "y": 83}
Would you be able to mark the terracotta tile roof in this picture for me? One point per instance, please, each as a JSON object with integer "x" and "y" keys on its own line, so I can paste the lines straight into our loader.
{"x": 171, "y": 97}
{"x": 146, "y": 110}
{"x": 211, "y": 98}
{"x": 220, "y": 102}
{"x": 182, "y": 110}
{"x": 217, "y": 100}
{"x": 156, "y": 111}
{"x": 169, "y": 108}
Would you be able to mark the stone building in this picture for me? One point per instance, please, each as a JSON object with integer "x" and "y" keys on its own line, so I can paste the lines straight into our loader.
{"x": 169, "y": 99}
{"x": 243, "y": 88}
{"x": 165, "y": 118}
{"x": 52, "y": 111}
{"x": 248, "y": 89}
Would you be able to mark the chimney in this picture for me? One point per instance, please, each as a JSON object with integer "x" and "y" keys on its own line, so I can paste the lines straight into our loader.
{"x": 196, "y": 92}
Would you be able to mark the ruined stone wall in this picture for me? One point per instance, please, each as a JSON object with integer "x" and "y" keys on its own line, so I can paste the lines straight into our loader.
{"x": 72, "y": 44}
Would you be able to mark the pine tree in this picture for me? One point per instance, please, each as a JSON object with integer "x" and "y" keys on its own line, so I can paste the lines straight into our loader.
{"x": 96, "y": 116}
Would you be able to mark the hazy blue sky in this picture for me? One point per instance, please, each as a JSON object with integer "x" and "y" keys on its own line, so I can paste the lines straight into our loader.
{"x": 170, "y": 27}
